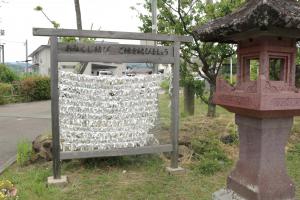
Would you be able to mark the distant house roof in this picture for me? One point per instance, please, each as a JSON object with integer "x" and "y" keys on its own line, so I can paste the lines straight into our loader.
{"x": 40, "y": 48}
{"x": 261, "y": 15}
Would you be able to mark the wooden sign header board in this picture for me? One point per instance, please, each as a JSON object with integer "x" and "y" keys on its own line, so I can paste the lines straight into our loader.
{"x": 114, "y": 53}
{"x": 110, "y": 35}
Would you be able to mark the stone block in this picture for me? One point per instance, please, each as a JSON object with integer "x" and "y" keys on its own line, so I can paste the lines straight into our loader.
{"x": 176, "y": 171}
{"x": 63, "y": 181}
{"x": 226, "y": 194}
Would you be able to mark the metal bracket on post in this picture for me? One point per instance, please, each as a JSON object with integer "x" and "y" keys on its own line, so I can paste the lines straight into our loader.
{"x": 57, "y": 179}
{"x": 174, "y": 168}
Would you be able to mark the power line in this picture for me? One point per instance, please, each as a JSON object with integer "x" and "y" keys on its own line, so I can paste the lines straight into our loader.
{"x": 7, "y": 41}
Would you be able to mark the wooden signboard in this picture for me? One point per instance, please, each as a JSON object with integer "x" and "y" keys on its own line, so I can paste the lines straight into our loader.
{"x": 114, "y": 53}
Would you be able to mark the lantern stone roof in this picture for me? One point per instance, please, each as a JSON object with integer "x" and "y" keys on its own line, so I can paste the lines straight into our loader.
{"x": 277, "y": 17}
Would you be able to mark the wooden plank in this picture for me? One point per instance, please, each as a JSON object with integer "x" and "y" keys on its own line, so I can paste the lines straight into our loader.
{"x": 55, "y": 108}
{"x": 117, "y": 53}
{"x": 117, "y": 152}
{"x": 109, "y": 35}
{"x": 175, "y": 106}
{"x": 81, "y": 57}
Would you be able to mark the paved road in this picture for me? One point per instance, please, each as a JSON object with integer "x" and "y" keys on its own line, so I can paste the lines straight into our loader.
{"x": 21, "y": 121}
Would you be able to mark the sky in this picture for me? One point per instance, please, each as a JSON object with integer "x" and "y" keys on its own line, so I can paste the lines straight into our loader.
{"x": 18, "y": 17}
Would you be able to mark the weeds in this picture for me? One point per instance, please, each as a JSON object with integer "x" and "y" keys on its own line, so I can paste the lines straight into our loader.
{"x": 210, "y": 156}
{"x": 24, "y": 152}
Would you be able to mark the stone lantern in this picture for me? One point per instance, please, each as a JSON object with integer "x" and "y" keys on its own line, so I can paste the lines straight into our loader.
{"x": 264, "y": 98}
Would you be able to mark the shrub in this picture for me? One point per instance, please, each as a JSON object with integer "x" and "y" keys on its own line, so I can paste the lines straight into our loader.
{"x": 36, "y": 88}
{"x": 210, "y": 156}
{"x": 208, "y": 166}
{"x": 7, "y": 75}
{"x": 206, "y": 145}
{"x": 24, "y": 152}
{"x": 5, "y": 90}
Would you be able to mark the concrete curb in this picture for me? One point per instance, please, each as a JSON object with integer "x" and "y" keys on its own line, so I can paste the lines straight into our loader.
{"x": 8, "y": 163}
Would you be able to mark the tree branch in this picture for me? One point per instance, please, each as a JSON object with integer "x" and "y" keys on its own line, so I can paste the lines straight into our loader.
{"x": 182, "y": 19}
{"x": 170, "y": 6}
{"x": 203, "y": 98}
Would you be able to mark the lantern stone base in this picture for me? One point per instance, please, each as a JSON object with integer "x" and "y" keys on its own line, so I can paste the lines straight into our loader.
{"x": 63, "y": 181}
{"x": 226, "y": 194}
{"x": 260, "y": 173}
{"x": 175, "y": 171}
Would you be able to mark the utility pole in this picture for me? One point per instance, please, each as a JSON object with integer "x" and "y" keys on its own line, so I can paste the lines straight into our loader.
{"x": 154, "y": 27}
{"x": 26, "y": 56}
{"x": 2, "y": 33}
{"x": 2, "y": 53}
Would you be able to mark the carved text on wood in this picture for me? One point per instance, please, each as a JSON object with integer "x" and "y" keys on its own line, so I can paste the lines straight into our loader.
{"x": 115, "y": 49}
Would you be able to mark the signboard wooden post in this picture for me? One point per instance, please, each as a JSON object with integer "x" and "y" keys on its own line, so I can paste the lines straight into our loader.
{"x": 55, "y": 109}
{"x": 116, "y": 53}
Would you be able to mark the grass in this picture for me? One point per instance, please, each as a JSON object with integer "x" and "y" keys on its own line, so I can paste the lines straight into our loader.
{"x": 144, "y": 177}
{"x": 24, "y": 152}
{"x": 140, "y": 177}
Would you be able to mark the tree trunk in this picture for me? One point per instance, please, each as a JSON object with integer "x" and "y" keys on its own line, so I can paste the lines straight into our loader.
{"x": 189, "y": 100}
{"x": 83, "y": 65}
{"x": 78, "y": 14}
{"x": 211, "y": 112}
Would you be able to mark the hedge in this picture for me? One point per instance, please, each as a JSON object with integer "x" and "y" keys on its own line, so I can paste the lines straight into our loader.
{"x": 7, "y": 75}
{"x": 5, "y": 91}
{"x": 36, "y": 88}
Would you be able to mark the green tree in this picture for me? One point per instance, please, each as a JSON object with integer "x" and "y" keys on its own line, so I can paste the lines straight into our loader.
{"x": 181, "y": 17}
{"x": 7, "y": 75}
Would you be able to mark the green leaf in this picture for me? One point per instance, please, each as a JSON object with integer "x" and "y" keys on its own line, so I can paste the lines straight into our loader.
{"x": 38, "y": 8}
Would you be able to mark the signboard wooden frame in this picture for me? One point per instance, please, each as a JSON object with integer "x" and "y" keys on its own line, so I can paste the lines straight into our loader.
{"x": 115, "y": 53}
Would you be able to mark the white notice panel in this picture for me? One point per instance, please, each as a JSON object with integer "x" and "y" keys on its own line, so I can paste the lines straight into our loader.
{"x": 102, "y": 113}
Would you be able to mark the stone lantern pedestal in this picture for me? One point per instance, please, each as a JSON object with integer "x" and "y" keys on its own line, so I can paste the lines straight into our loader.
{"x": 261, "y": 165}
{"x": 260, "y": 172}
